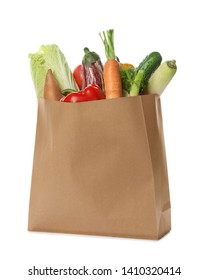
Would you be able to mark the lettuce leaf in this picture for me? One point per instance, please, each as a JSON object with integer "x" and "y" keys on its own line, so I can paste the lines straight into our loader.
{"x": 127, "y": 78}
{"x": 50, "y": 57}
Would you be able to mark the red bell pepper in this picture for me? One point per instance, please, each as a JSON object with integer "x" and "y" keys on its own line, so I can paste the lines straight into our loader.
{"x": 91, "y": 92}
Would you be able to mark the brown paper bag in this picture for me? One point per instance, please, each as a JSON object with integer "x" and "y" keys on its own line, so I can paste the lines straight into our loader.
{"x": 100, "y": 168}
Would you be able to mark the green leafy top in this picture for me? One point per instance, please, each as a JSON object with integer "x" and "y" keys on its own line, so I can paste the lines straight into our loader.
{"x": 127, "y": 77}
{"x": 108, "y": 41}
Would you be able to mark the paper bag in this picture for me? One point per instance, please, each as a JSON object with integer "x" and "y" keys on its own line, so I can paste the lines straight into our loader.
{"x": 100, "y": 168}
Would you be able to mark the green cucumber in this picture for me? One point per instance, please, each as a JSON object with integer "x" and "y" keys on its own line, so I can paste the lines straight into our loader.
{"x": 147, "y": 67}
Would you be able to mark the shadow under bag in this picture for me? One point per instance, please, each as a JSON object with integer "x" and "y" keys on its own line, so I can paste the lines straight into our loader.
{"x": 100, "y": 168}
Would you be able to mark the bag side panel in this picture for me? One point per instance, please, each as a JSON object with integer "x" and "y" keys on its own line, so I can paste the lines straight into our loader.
{"x": 154, "y": 124}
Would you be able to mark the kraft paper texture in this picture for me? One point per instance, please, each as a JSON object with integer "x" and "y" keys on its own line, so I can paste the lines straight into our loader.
{"x": 100, "y": 168}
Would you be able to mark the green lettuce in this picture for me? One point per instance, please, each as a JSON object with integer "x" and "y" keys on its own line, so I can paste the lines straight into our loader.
{"x": 127, "y": 77}
{"x": 50, "y": 57}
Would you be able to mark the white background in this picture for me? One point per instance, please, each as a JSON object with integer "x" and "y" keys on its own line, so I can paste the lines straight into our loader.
{"x": 178, "y": 29}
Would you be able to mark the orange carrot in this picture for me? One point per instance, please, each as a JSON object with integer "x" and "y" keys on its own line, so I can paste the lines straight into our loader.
{"x": 112, "y": 79}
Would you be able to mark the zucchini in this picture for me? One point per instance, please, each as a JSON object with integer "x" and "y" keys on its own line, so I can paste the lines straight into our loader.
{"x": 148, "y": 66}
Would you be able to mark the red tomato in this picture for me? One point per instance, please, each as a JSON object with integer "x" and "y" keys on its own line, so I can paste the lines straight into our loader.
{"x": 77, "y": 74}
